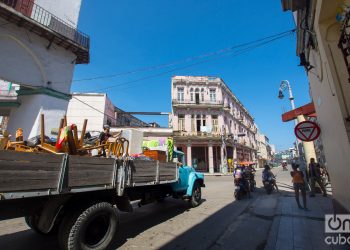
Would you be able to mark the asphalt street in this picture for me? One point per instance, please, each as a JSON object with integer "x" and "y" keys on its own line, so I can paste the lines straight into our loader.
{"x": 173, "y": 225}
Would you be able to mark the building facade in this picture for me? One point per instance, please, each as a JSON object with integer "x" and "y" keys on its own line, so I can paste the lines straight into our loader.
{"x": 323, "y": 48}
{"x": 99, "y": 110}
{"x": 39, "y": 47}
{"x": 262, "y": 154}
{"x": 211, "y": 126}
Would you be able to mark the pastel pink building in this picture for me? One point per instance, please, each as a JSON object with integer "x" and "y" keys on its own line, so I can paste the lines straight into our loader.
{"x": 211, "y": 126}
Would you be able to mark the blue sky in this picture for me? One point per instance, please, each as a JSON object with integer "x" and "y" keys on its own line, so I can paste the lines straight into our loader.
{"x": 131, "y": 34}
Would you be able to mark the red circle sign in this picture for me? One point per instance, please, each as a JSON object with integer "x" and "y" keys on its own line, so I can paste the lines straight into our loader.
{"x": 307, "y": 131}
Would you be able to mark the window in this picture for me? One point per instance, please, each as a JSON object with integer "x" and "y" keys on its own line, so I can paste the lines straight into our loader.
{"x": 198, "y": 123}
{"x": 212, "y": 95}
{"x": 180, "y": 94}
{"x": 215, "y": 122}
{"x": 181, "y": 122}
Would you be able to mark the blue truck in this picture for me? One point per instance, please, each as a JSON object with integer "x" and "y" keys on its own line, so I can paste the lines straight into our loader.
{"x": 79, "y": 197}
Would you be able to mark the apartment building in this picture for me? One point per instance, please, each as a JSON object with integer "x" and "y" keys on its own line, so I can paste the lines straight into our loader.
{"x": 211, "y": 126}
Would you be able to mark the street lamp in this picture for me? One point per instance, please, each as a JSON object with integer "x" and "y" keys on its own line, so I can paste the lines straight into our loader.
{"x": 285, "y": 85}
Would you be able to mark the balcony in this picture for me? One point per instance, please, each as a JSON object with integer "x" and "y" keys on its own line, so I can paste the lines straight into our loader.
{"x": 196, "y": 135}
{"x": 199, "y": 104}
{"x": 28, "y": 15}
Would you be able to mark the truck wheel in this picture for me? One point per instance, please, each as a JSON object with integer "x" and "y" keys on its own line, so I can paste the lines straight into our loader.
{"x": 32, "y": 222}
{"x": 196, "y": 195}
{"x": 92, "y": 229}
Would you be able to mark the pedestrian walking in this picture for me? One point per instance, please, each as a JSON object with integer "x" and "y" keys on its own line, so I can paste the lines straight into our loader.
{"x": 298, "y": 185}
{"x": 315, "y": 176}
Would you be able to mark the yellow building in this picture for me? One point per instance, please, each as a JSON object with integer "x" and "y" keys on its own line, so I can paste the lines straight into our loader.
{"x": 323, "y": 45}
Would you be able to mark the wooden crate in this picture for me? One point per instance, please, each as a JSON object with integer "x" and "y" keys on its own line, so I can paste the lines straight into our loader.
{"x": 157, "y": 155}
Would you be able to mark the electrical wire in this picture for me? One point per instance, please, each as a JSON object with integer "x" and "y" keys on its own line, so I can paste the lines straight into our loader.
{"x": 232, "y": 53}
{"x": 186, "y": 60}
{"x": 94, "y": 108}
{"x": 221, "y": 54}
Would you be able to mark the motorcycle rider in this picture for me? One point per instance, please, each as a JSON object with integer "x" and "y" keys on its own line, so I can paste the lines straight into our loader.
{"x": 239, "y": 176}
{"x": 266, "y": 174}
{"x": 249, "y": 175}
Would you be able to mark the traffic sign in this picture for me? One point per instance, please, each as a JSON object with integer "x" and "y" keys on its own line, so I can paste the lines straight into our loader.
{"x": 307, "y": 131}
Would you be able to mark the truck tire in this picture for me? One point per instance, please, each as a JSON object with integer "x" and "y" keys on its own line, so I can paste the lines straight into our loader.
{"x": 32, "y": 222}
{"x": 91, "y": 229}
{"x": 196, "y": 195}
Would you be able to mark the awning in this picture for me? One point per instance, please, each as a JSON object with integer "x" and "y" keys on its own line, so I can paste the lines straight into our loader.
{"x": 307, "y": 110}
{"x": 246, "y": 163}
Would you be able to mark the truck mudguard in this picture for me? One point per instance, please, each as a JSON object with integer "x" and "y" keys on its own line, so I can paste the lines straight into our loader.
{"x": 192, "y": 178}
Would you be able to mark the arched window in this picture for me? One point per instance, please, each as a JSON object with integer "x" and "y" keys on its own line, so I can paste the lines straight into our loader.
{"x": 197, "y": 90}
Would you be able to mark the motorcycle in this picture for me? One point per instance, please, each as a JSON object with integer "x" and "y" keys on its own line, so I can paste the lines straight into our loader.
{"x": 284, "y": 166}
{"x": 250, "y": 178}
{"x": 240, "y": 189}
{"x": 268, "y": 184}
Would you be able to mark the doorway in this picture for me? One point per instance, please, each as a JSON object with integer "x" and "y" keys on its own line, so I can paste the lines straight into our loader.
{"x": 197, "y": 98}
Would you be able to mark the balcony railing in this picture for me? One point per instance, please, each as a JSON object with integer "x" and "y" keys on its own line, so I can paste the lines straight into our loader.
{"x": 33, "y": 11}
{"x": 189, "y": 102}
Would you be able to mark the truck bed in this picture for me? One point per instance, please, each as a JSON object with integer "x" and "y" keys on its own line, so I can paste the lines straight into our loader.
{"x": 37, "y": 174}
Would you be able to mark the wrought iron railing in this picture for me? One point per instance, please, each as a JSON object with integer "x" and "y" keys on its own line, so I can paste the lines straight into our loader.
{"x": 30, "y": 9}
{"x": 344, "y": 42}
{"x": 186, "y": 101}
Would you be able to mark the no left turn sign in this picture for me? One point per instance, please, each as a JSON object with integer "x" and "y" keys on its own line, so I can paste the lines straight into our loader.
{"x": 307, "y": 131}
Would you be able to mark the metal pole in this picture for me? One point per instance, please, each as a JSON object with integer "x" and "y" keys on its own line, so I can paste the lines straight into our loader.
{"x": 291, "y": 99}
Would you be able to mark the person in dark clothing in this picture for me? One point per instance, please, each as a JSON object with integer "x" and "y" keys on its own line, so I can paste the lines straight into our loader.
{"x": 268, "y": 173}
{"x": 104, "y": 137}
{"x": 315, "y": 176}
{"x": 298, "y": 185}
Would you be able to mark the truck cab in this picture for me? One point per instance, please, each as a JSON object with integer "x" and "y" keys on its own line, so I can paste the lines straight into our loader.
{"x": 190, "y": 181}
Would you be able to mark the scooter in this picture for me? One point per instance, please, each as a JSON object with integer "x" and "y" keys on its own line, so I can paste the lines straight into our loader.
{"x": 241, "y": 189}
{"x": 268, "y": 185}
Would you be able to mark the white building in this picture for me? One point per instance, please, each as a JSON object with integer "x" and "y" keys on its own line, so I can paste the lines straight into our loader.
{"x": 39, "y": 47}
{"x": 262, "y": 154}
{"x": 99, "y": 110}
{"x": 96, "y": 107}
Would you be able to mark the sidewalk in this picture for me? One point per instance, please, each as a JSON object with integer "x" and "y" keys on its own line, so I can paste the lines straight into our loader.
{"x": 294, "y": 228}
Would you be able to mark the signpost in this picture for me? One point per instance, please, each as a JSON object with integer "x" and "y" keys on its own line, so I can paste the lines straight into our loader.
{"x": 307, "y": 131}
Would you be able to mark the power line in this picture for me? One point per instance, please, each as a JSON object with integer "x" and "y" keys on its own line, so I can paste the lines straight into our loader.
{"x": 94, "y": 108}
{"x": 234, "y": 53}
{"x": 188, "y": 59}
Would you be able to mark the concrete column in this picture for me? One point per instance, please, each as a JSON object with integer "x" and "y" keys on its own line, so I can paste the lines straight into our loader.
{"x": 209, "y": 121}
{"x": 223, "y": 160}
{"x": 234, "y": 157}
{"x": 188, "y": 123}
{"x": 211, "y": 158}
{"x": 309, "y": 148}
{"x": 189, "y": 155}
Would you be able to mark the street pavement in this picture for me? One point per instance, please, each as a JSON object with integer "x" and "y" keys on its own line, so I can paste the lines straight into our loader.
{"x": 262, "y": 222}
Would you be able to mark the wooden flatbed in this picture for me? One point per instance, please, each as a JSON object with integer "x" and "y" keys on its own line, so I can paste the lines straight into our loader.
{"x": 24, "y": 175}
